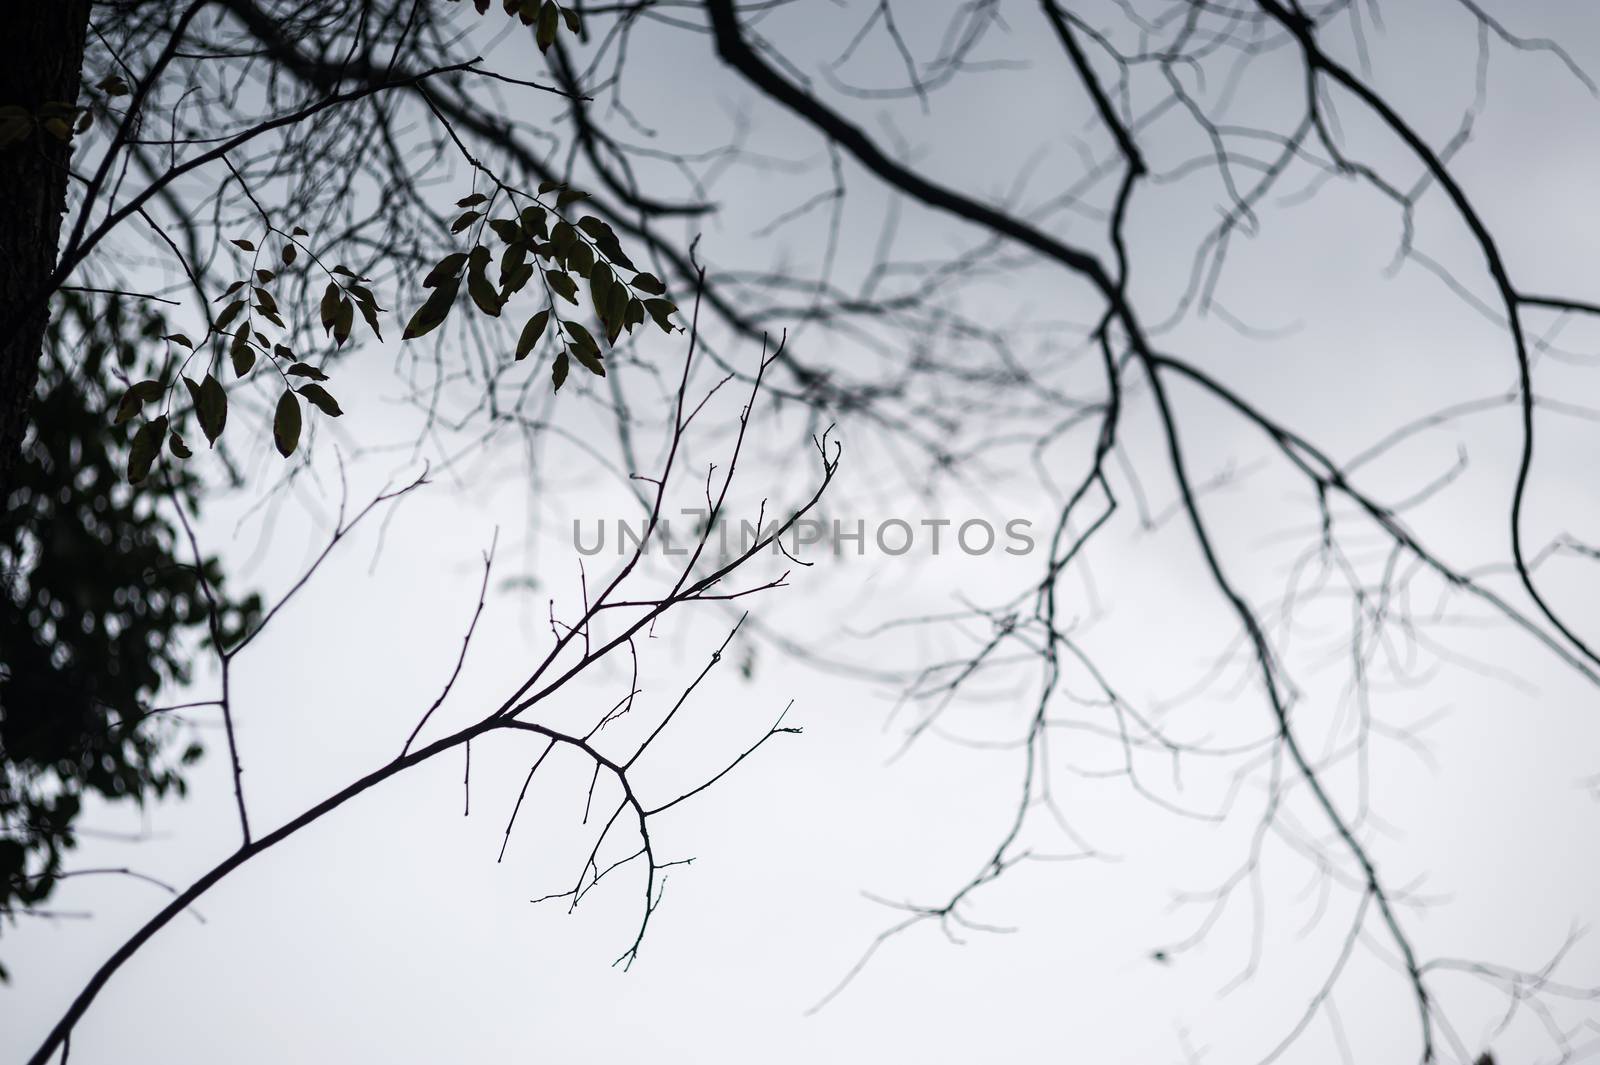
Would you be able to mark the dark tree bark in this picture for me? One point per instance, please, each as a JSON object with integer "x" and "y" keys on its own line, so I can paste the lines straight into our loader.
{"x": 40, "y": 61}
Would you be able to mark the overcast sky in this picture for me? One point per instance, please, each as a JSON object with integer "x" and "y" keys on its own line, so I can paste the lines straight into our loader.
{"x": 388, "y": 932}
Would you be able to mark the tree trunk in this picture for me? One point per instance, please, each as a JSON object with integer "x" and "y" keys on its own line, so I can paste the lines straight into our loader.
{"x": 41, "y": 56}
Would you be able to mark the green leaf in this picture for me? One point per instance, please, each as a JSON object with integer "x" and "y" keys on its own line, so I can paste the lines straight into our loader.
{"x": 649, "y": 284}
{"x": 301, "y": 369}
{"x": 478, "y": 287}
{"x": 615, "y": 310}
{"x": 590, "y": 358}
{"x": 179, "y": 338}
{"x": 364, "y": 295}
{"x": 514, "y": 255}
{"x": 265, "y": 301}
{"x": 134, "y": 399}
{"x": 145, "y": 447}
{"x": 506, "y": 229}
{"x": 113, "y": 85}
{"x": 178, "y": 447}
{"x": 367, "y": 304}
{"x": 580, "y": 259}
{"x": 210, "y": 407}
{"x": 446, "y": 268}
{"x": 229, "y": 313}
{"x": 601, "y": 281}
{"x": 563, "y": 237}
{"x": 484, "y": 294}
{"x": 567, "y": 196}
{"x": 329, "y": 308}
{"x": 570, "y": 17}
{"x": 548, "y": 186}
{"x": 434, "y": 310}
{"x": 584, "y": 348}
{"x": 515, "y": 279}
{"x": 465, "y": 220}
{"x": 321, "y": 399}
{"x": 289, "y": 253}
{"x": 533, "y": 220}
{"x": 286, "y": 425}
{"x": 604, "y": 239}
{"x": 531, "y": 334}
{"x": 471, "y": 201}
{"x": 662, "y": 311}
{"x": 562, "y": 285}
{"x": 244, "y": 356}
{"x": 545, "y": 33}
{"x": 558, "y": 371}
{"x": 344, "y": 319}
{"x": 235, "y": 287}
{"x": 244, "y": 244}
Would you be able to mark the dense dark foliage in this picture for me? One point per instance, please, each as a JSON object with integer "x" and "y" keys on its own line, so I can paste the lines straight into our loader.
{"x": 100, "y": 590}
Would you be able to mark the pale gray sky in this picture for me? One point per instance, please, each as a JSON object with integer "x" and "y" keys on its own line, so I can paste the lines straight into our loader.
{"x": 388, "y": 932}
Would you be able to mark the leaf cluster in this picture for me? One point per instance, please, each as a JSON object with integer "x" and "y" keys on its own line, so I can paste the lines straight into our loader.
{"x": 250, "y": 307}
{"x": 539, "y": 242}
{"x": 100, "y": 593}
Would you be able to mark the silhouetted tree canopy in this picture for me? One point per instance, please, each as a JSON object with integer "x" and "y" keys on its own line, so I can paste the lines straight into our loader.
{"x": 102, "y": 602}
